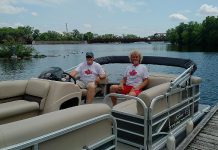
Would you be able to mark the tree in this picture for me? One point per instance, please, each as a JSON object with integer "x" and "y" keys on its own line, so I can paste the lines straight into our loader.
{"x": 88, "y": 36}
{"x": 36, "y": 34}
{"x": 76, "y": 34}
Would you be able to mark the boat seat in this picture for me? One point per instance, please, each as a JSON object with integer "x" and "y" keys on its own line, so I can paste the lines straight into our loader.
{"x": 131, "y": 118}
{"x": 158, "y": 85}
{"x": 18, "y": 108}
{"x": 157, "y": 79}
{"x": 129, "y": 106}
{"x": 79, "y": 117}
{"x": 21, "y": 99}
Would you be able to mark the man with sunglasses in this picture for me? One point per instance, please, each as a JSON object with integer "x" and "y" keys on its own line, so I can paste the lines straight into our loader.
{"x": 90, "y": 75}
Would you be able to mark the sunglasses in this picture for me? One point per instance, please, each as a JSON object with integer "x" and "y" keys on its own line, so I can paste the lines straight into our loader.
{"x": 88, "y": 57}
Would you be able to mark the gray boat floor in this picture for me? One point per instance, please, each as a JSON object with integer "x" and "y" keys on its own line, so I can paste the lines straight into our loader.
{"x": 122, "y": 146}
{"x": 205, "y": 135}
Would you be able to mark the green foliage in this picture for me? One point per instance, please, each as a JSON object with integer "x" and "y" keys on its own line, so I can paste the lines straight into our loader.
{"x": 20, "y": 34}
{"x": 203, "y": 34}
{"x": 9, "y": 49}
{"x": 50, "y": 36}
{"x": 88, "y": 36}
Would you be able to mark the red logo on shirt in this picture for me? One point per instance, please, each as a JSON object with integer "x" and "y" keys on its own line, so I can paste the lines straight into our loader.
{"x": 88, "y": 72}
{"x": 132, "y": 73}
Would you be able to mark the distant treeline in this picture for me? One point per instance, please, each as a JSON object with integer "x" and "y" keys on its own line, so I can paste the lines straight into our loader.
{"x": 203, "y": 35}
{"x": 27, "y": 34}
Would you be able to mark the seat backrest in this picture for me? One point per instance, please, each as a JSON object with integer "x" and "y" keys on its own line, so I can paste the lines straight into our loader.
{"x": 9, "y": 90}
{"x": 59, "y": 93}
{"x": 148, "y": 95}
{"x": 37, "y": 90}
{"x": 23, "y": 130}
{"x": 157, "y": 79}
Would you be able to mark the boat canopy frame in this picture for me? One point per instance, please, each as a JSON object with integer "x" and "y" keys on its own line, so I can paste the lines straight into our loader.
{"x": 153, "y": 60}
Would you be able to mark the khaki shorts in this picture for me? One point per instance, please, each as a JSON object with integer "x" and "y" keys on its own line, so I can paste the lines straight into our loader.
{"x": 84, "y": 85}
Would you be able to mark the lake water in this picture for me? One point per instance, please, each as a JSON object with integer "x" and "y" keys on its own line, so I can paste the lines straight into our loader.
{"x": 66, "y": 56}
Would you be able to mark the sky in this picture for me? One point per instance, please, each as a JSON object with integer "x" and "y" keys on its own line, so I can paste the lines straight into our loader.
{"x": 138, "y": 17}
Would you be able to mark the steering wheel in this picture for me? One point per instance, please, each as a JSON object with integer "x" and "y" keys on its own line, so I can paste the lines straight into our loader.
{"x": 68, "y": 77}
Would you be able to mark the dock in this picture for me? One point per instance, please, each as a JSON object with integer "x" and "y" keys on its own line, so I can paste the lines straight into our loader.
{"x": 205, "y": 135}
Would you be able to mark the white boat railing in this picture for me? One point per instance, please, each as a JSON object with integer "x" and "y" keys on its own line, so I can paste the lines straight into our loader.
{"x": 181, "y": 79}
{"x": 145, "y": 110}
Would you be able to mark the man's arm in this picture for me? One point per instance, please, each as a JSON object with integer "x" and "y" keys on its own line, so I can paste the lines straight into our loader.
{"x": 73, "y": 73}
{"x": 142, "y": 85}
{"x": 102, "y": 76}
{"x": 122, "y": 83}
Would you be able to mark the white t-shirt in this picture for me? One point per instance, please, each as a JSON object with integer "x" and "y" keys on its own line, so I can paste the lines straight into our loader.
{"x": 88, "y": 73}
{"x": 136, "y": 74}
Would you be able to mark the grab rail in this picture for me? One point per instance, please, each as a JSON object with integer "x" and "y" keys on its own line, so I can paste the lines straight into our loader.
{"x": 182, "y": 78}
{"x": 146, "y": 114}
{"x": 170, "y": 109}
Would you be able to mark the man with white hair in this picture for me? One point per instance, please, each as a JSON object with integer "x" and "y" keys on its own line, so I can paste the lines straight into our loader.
{"x": 134, "y": 79}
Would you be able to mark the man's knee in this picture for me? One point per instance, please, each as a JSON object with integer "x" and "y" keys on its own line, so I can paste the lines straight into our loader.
{"x": 113, "y": 88}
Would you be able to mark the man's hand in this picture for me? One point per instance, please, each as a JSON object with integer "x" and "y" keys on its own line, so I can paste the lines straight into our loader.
{"x": 120, "y": 87}
{"x": 97, "y": 81}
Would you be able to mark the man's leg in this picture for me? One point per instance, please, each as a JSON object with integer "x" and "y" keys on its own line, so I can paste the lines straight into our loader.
{"x": 91, "y": 87}
{"x": 114, "y": 89}
{"x": 135, "y": 92}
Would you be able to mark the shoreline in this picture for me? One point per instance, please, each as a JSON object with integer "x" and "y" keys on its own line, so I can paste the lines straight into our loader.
{"x": 58, "y": 42}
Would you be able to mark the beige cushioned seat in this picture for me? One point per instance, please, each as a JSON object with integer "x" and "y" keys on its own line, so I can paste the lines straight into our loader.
{"x": 20, "y": 99}
{"x": 17, "y": 107}
{"x": 38, "y": 88}
{"x": 20, "y": 131}
{"x": 158, "y": 85}
{"x": 10, "y": 89}
{"x": 129, "y": 106}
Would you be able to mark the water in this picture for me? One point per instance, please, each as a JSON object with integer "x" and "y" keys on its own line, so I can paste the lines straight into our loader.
{"x": 66, "y": 56}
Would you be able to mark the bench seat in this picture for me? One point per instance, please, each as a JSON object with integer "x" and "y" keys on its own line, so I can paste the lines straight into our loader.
{"x": 21, "y": 99}
{"x": 23, "y": 130}
{"x": 17, "y": 107}
{"x": 129, "y": 106}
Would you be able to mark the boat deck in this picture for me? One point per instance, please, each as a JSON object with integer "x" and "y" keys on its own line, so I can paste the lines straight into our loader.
{"x": 205, "y": 135}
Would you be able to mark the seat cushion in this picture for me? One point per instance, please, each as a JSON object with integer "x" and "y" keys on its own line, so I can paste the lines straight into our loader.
{"x": 37, "y": 87}
{"x": 17, "y": 107}
{"x": 13, "y": 88}
{"x": 128, "y": 106}
{"x": 20, "y": 131}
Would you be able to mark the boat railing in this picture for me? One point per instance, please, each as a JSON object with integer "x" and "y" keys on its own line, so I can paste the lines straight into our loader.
{"x": 34, "y": 143}
{"x": 181, "y": 79}
{"x": 107, "y": 98}
{"x": 177, "y": 113}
